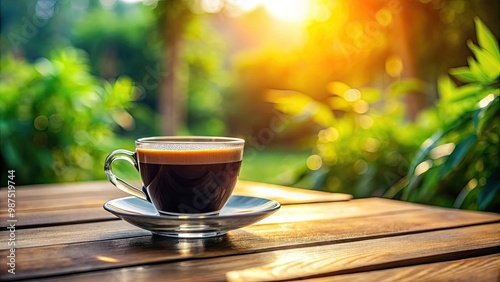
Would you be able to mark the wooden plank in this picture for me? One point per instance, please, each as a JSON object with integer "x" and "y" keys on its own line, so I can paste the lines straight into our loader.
{"x": 287, "y": 195}
{"x": 477, "y": 269}
{"x": 71, "y": 233}
{"x": 85, "y": 214}
{"x": 34, "y": 206}
{"x": 62, "y": 190}
{"x": 87, "y": 194}
{"x": 107, "y": 252}
{"x": 297, "y": 263}
{"x": 56, "y": 217}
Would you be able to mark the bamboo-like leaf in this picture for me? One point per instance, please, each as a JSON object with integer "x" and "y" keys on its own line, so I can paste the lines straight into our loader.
{"x": 464, "y": 74}
{"x": 299, "y": 104}
{"x": 321, "y": 114}
{"x": 289, "y": 102}
{"x": 421, "y": 155}
{"x": 467, "y": 198}
{"x": 396, "y": 188}
{"x": 490, "y": 190}
{"x": 476, "y": 118}
{"x": 430, "y": 180}
{"x": 337, "y": 88}
{"x": 477, "y": 71}
{"x": 370, "y": 95}
{"x": 459, "y": 200}
{"x": 458, "y": 154}
{"x": 408, "y": 85}
{"x": 339, "y": 103}
{"x": 488, "y": 64}
{"x": 488, "y": 113}
{"x": 426, "y": 147}
{"x": 486, "y": 39}
{"x": 466, "y": 92}
{"x": 446, "y": 88}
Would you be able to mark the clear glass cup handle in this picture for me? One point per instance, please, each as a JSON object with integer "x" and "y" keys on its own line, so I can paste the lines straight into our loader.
{"x": 121, "y": 184}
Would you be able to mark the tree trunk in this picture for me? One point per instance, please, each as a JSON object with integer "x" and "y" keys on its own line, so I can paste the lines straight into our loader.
{"x": 172, "y": 101}
{"x": 415, "y": 100}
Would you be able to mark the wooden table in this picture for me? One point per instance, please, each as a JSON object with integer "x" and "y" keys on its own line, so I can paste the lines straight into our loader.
{"x": 63, "y": 233}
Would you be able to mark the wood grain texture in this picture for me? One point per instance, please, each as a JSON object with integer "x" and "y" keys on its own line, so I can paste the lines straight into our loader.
{"x": 72, "y": 233}
{"x": 316, "y": 261}
{"x": 477, "y": 269}
{"x": 88, "y": 194}
{"x": 371, "y": 216}
{"x": 315, "y": 235}
{"x": 79, "y": 214}
{"x": 141, "y": 249}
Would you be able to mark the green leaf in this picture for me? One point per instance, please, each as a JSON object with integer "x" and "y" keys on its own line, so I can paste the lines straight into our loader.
{"x": 430, "y": 181}
{"x": 467, "y": 91}
{"x": 421, "y": 155}
{"x": 321, "y": 114}
{"x": 446, "y": 88}
{"x": 458, "y": 154}
{"x": 467, "y": 198}
{"x": 463, "y": 74}
{"x": 370, "y": 95}
{"x": 407, "y": 85}
{"x": 490, "y": 190}
{"x": 476, "y": 118}
{"x": 477, "y": 71}
{"x": 339, "y": 103}
{"x": 486, "y": 39}
{"x": 488, "y": 64}
{"x": 488, "y": 113}
{"x": 426, "y": 147}
{"x": 301, "y": 105}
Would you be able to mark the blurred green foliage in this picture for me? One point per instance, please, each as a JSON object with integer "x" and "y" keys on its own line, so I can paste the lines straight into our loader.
{"x": 206, "y": 79}
{"x": 365, "y": 143}
{"x": 358, "y": 45}
{"x": 58, "y": 121}
{"x": 459, "y": 164}
{"x": 230, "y": 68}
{"x": 274, "y": 165}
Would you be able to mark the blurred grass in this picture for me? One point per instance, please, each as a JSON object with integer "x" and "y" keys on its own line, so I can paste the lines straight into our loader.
{"x": 275, "y": 166}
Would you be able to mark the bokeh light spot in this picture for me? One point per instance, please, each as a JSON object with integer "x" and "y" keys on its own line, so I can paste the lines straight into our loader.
{"x": 394, "y": 66}
{"x": 288, "y": 10}
{"x": 352, "y": 95}
{"x": 384, "y": 17}
{"x": 360, "y": 107}
{"x": 422, "y": 167}
{"x": 365, "y": 121}
{"x": 360, "y": 167}
{"x": 41, "y": 123}
{"x": 212, "y": 6}
{"x": 372, "y": 145}
{"x": 314, "y": 162}
{"x": 328, "y": 135}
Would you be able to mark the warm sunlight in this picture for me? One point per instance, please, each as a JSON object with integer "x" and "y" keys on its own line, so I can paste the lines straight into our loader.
{"x": 287, "y": 10}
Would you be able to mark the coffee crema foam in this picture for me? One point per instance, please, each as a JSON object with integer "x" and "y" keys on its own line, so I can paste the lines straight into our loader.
{"x": 189, "y": 155}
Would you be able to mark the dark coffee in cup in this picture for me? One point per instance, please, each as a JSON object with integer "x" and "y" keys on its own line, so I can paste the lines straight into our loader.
{"x": 182, "y": 176}
{"x": 189, "y": 181}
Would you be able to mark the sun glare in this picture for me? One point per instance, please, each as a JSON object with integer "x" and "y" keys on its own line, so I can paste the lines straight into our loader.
{"x": 287, "y": 10}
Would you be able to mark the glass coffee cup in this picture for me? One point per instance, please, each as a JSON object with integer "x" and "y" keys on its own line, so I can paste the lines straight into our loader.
{"x": 182, "y": 176}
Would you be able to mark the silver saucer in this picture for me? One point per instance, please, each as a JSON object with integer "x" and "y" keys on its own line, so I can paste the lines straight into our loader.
{"x": 238, "y": 212}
